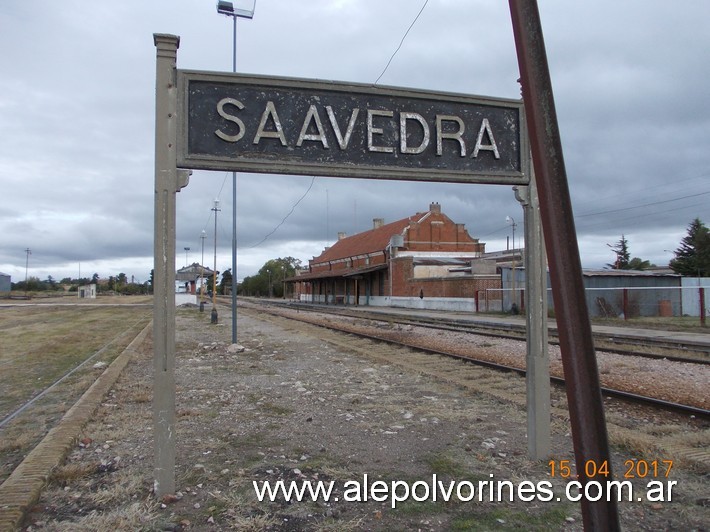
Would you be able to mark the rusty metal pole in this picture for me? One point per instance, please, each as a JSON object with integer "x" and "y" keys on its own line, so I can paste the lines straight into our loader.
{"x": 589, "y": 434}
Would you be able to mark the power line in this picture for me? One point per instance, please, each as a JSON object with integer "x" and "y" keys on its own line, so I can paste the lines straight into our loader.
{"x": 638, "y": 216}
{"x": 401, "y": 42}
{"x": 293, "y": 208}
{"x": 286, "y": 217}
{"x": 671, "y": 183}
{"x": 660, "y": 202}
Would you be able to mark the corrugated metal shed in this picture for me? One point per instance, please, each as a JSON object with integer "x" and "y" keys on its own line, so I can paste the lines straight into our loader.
{"x": 5, "y": 282}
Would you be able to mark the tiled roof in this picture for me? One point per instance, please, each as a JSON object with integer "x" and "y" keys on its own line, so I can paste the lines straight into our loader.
{"x": 344, "y": 272}
{"x": 372, "y": 241}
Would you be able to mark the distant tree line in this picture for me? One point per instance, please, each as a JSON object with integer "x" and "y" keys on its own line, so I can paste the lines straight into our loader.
{"x": 270, "y": 280}
{"x": 118, "y": 284}
{"x": 691, "y": 259}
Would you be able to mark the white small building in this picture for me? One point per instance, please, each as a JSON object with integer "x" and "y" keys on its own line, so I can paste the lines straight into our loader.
{"x": 87, "y": 291}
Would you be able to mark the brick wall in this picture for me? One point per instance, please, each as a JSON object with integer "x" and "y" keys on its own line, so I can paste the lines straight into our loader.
{"x": 404, "y": 284}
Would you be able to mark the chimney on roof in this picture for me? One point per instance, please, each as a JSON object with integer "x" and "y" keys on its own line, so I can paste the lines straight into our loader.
{"x": 341, "y": 235}
{"x": 378, "y": 222}
{"x": 435, "y": 208}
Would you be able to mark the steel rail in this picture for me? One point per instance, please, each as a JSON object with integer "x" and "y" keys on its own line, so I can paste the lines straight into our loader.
{"x": 619, "y": 394}
{"x": 509, "y": 331}
{"x": 68, "y": 374}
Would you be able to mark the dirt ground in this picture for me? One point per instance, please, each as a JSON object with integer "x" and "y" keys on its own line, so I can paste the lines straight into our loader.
{"x": 294, "y": 406}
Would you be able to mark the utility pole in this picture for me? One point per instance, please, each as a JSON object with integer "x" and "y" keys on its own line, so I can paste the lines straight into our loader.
{"x": 213, "y": 319}
{"x": 514, "y": 306}
{"x": 202, "y": 273}
{"x": 28, "y": 251}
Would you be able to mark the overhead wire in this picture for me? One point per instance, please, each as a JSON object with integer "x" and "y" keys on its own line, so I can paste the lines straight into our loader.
{"x": 649, "y": 199}
{"x": 375, "y": 83}
{"x": 293, "y": 208}
{"x": 401, "y": 42}
{"x": 651, "y": 204}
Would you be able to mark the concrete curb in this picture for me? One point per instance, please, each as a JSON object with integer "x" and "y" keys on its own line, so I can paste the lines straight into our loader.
{"x": 23, "y": 487}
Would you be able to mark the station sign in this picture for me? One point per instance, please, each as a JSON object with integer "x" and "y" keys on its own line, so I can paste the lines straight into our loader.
{"x": 247, "y": 123}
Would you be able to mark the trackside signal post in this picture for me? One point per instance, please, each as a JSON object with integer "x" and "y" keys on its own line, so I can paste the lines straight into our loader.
{"x": 231, "y": 122}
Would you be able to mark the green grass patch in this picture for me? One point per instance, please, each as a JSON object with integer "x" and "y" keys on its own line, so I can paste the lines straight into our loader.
{"x": 446, "y": 466}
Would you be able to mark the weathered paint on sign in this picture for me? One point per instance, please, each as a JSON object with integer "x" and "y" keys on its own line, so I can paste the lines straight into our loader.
{"x": 282, "y": 125}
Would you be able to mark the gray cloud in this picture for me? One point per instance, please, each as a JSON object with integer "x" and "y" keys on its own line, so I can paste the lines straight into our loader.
{"x": 77, "y": 118}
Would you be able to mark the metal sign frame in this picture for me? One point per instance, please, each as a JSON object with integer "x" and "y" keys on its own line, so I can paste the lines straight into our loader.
{"x": 249, "y": 123}
{"x": 171, "y": 148}
{"x": 557, "y": 222}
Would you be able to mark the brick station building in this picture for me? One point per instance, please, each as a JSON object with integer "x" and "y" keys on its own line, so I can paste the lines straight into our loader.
{"x": 423, "y": 261}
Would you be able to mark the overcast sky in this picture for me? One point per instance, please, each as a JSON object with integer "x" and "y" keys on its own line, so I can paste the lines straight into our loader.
{"x": 77, "y": 108}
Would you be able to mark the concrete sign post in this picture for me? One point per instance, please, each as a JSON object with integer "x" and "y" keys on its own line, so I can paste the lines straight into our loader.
{"x": 537, "y": 366}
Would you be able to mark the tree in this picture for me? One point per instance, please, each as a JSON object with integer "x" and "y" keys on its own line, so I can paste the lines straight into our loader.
{"x": 639, "y": 264}
{"x": 226, "y": 281}
{"x": 692, "y": 258}
{"x": 275, "y": 271}
{"x": 121, "y": 282}
{"x": 623, "y": 260}
{"x": 270, "y": 279}
{"x": 622, "y": 254}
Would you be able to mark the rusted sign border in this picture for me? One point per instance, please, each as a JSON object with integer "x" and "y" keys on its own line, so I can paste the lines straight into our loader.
{"x": 275, "y": 166}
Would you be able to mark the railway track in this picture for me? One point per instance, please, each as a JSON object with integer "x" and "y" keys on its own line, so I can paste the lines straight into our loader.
{"x": 131, "y": 331}
{"x": 655, "y": 402}
{"x": 618, "y": 344}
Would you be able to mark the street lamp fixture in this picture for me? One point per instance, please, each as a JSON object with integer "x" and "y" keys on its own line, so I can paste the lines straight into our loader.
{"x": 227, "y": 8}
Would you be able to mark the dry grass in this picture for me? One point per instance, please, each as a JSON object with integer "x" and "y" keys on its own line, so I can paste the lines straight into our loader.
{"x": 134, "y": 516}
{"x": 42, "y": 344}
{"x": 68, "y": 473}
{"x": 122, "y": 488}
{"x": 251, "y": 524}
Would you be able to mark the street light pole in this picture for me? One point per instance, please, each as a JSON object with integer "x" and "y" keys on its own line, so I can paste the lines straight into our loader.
{"x": 28, "y": 251}
{"x": 216, "y": 209}
{"x": 186, "y": 250}
{"x": 227, "y": 8}
{"x": 202, "y": 272}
